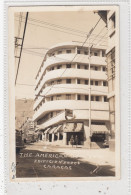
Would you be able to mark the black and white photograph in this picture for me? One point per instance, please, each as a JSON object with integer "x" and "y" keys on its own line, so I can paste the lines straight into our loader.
{"x": 64, "y": 93}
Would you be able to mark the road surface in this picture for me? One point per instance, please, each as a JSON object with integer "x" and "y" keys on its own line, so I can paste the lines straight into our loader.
{"x": 39, "y": 161}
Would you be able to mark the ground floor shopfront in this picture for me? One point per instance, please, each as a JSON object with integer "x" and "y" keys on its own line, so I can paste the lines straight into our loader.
{"x": 63, "y": 133}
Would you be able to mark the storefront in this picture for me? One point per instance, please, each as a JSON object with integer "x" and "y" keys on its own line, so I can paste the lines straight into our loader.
{"x": 100, "y": 135}
{"x": 73, "y": 131}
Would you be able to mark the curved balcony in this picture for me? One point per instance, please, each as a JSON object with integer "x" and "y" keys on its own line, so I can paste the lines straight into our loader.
{"x": 67, "y": 58}
{"x": 71, "y": 89}
{"x": 83, "y": 115}
{"x": 71, "y": 73}
{"x": 101, "y": 107}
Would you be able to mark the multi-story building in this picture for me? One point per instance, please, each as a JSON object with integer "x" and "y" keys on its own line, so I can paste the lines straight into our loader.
{"x": 28, "y": 127}
{"x": 110, "y": 19}
{"x": 71, "y": 79}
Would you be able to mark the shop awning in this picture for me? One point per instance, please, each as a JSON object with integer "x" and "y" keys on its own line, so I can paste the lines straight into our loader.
{"x": 52, "y": 130}
{"x": 46, "y": 131}
{"x": 68, "y": 127}
{"x": 72, "y": 127}
{"x": 40, "y": 127}
{"x": 79, "y": 127}
{"x": 99, "y": 129}
{"x": 57, "y": 129}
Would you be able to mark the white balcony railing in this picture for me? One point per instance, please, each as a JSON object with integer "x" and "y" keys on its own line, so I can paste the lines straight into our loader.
{"x": 71, "y": 73}
{"x": 67, "y": 58}
{"x": 69, "y": 104}
{"x": 71, "y": 89}
{"x": 78, "y": 115}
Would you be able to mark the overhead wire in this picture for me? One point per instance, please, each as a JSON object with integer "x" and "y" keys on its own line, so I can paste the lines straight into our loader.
{"x": 57, "y": 26}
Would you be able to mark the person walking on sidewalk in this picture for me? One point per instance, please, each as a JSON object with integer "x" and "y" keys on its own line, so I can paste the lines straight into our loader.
{"x": 72, "y": 140}
{"x": 76, "y": 140}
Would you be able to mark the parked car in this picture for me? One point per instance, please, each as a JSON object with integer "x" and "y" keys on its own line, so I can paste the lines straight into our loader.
{"x": 19, "y": 140}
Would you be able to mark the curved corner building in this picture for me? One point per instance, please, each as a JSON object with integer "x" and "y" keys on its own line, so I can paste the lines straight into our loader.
{"x": 65, "y": 81}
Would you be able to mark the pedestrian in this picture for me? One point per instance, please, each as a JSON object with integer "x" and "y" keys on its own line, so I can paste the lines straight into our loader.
{"x": 72, "y": 140}
{"x": 76, "y": 140}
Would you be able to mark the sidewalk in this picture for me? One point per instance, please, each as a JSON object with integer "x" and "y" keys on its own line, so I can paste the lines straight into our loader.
{"x": 94, "y": 156}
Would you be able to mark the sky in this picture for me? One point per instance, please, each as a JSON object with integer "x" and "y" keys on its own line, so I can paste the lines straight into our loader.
{"x": 42, "y": 36}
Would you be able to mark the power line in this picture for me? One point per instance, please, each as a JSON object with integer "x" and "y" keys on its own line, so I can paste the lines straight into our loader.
{"x": 57, "y": 26}
{"x": 25, "y": 84}
{"x": 54, "y": 29}
{"x": 21, "y": 46}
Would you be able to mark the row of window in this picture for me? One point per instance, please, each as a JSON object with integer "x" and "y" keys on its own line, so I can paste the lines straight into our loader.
{"x": 79, "y": 51}
{"x": 72, "y": 97}
{"x": 79, "y": 66}
{"x": 79, "y": 81}
{"x": 73, "y": 81}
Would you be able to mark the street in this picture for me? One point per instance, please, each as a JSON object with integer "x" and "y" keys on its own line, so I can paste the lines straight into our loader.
{"x": 37, "y": 160}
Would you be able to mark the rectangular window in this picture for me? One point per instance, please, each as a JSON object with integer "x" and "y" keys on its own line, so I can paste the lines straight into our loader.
{"x": 97, "y": 98}
{"x": 86, "y": 82}
{"x": 103, "y": 53}
{"x": 96, "y": 83}
{"x": 78, "y": 51}
{"x": 68, "y": 51}
{"x": 104, "y": 83}
{"x": 51, "y": 114}
{"x": 59, "y": 66}
{"x": 86, "y": 97}
{"x": 91, "y": 82}
{"x": 68, "y": 65}
{"x": 58, "y": 97}
{"x": 68, "y": 80}
{"x": 96, "y": 68}
{"x": 52, "y": 68}
{"x": 92, "y": 98}
{"x": 78, "y": 81}
{"x": 95, "y": 54}
{"x": 52, "y": 82}
{"x": 92, "y": 67}
{"x": 86, "y": 67}
{"x": 59, "y": 52}
{"x": 105, "y": 99}
{"x": 85, "y": 52}
{"x": 68, "y": 96}
{"x": 104, "y": 69}
{"x": 78, "y": 97}
{"x": 97, "y": 123}
{"x": 78, "y": 66}
{"x": 51, "y": 98}
{"x": 58, "y": 81}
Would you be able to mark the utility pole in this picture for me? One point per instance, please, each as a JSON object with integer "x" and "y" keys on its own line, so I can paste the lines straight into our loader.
{"x": 21, "y": 46}
{"x": 90, "y": 91}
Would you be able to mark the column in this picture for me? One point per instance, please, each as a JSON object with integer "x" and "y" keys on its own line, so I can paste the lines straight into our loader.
{"x": 53, "y": 136}
{"x": 87, "y": 141}
{"x": 43, "y": 136}
{"x": 64, "y": 138}
{"x": 100, "y": 53}
{"x": 46, "y": 137}
{"x": 58, "y": 138}
{"x": 75, "y": 50}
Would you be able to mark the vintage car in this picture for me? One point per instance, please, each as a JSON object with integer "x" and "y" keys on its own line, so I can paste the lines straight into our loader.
{"x": 19, "y": 141}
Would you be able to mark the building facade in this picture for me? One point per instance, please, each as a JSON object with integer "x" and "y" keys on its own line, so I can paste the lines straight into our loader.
{"x": 110, "y": 19}
{"x": 28, "y": 128}
{"x": 70, "y": 79}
